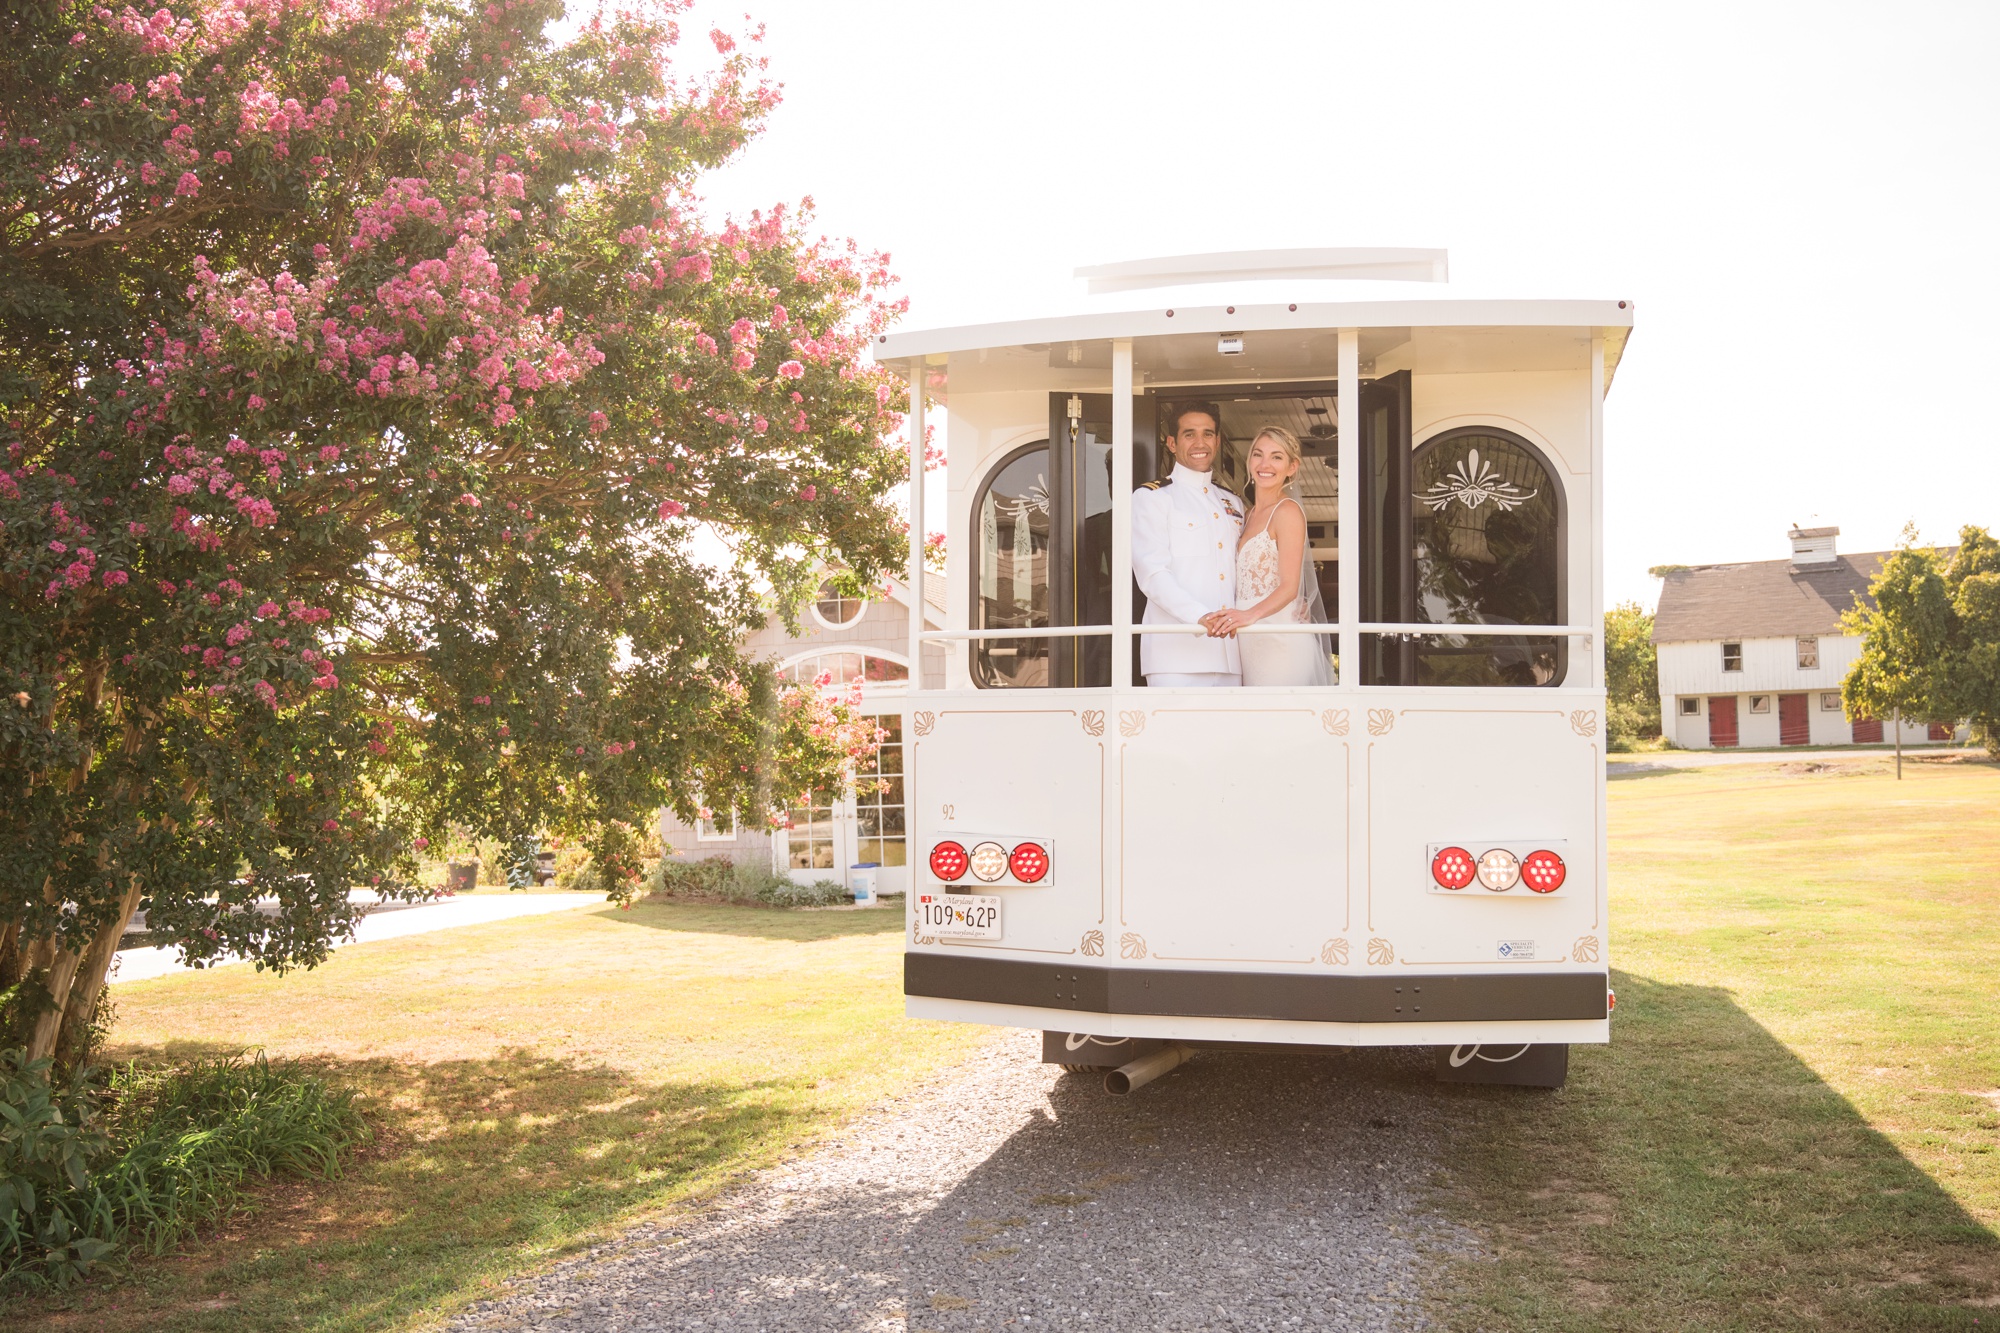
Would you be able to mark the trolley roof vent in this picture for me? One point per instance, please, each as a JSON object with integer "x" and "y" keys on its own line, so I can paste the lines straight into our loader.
{"x": 1390, "y": 264}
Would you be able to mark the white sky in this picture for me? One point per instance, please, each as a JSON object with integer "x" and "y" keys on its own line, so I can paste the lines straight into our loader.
{"x": 1799, "y": 199}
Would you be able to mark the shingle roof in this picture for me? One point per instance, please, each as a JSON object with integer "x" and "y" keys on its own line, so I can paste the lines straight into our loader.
{"x": 1764, "y": 599}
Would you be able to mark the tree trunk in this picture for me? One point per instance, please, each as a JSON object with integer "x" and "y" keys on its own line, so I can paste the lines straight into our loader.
{"x": 87, "y": 990}
{"x": 61, "y": 973}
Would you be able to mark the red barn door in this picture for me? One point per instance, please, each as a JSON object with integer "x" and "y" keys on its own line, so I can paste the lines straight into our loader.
{"x": 1868, "y": 731}
{"x": 1794, "y": 722}
{"x": 1940, "y": 732}
{"x": 1722, "y": 720}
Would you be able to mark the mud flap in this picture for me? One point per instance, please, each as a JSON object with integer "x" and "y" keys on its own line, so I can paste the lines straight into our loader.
{"x": 1537, "y": 1066}
{"x": 1077, "y": 1048}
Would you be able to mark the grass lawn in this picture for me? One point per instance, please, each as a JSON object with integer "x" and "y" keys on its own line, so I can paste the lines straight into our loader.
{"x": 1797, "y": 1125}
{"x": 534, "y": 1084}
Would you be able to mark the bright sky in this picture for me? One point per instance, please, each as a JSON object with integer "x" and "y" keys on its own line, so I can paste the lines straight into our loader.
{"x": 1800, "y": 199}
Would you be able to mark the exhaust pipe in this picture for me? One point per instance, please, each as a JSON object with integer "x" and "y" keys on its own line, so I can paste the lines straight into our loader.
{"x": 1145, "y": 1069}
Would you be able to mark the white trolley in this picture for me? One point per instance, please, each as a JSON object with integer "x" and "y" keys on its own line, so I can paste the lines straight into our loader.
{"x": 1413, "y": 855}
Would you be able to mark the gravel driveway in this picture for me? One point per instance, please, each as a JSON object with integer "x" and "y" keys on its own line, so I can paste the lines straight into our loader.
{"x": 1242, "y": 1191}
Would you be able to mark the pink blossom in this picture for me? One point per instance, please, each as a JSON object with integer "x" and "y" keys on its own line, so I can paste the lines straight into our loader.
{"x": 502, "y": 414}
{"x": 237, "y": 633}
{"x": 269, "y": 609}
{"x": 330, "y": 825}
{"x": 808, "y": 492}
{"x": 743, "y": 359}
{"x": 222, "y": 156}
{"x": 116, "y": 578}
{"x": 255, "y": 403}
{"x": 672, "y": 508}
{"x": 329, "y": 453}
{"x": 469, "y": 499}
{"x": 705, "y": 343}
{"x": 791, "y": 370}
{"x": 189, "y": 184}
{"x": 759, "y": 424}
{"x": 266, "y": 692}
{"x": 599, "y": 423}
{"x": 327, "y": 682}
{"x": 211, "y": 657}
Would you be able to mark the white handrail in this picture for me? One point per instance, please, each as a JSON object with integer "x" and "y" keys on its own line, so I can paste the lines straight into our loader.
{"x": 1268, "y": 627}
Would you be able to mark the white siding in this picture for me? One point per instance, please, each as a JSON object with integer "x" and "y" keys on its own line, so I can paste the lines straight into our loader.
{"x": 1770, "y": 668}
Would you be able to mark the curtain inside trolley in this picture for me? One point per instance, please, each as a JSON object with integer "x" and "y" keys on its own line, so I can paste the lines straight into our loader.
{"x": 1466, "y": 529}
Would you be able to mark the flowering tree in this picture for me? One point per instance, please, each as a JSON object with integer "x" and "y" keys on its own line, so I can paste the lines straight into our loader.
{"x": 364, "y": 366}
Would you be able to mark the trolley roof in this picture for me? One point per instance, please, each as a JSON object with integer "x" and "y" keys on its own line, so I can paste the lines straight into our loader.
{"x": 1179, "y": 344}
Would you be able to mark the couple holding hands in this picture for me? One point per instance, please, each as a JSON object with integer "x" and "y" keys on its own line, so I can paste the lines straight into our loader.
{"x": 1203, "y": 558}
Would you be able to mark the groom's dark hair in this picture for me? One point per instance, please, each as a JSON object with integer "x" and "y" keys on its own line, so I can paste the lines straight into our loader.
{"x": 1179, "y": 410}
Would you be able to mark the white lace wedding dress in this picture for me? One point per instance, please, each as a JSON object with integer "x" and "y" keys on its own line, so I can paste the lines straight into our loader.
{"x": 1277, "y": 659}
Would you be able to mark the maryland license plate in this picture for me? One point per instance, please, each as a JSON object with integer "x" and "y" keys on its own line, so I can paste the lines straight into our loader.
{"x": 958, "y": 916}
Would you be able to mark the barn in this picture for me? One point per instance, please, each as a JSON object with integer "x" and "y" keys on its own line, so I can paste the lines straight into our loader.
{"x": 1753, "y": 654}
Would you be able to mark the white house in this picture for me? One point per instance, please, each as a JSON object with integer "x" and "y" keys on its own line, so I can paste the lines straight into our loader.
{"x": 1754, "y": 654}
{"x": 849, "y": 639}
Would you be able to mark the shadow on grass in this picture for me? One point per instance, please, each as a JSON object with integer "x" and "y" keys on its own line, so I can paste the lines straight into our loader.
{"x": 802, "y": 924}
{"x": 480, "y": 1169}
{"x": 1698, "y": 1174}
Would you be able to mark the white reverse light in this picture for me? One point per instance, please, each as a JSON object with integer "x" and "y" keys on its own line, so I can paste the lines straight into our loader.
{"x": 1499, "y": 869}
{"x": 989, "y": 862}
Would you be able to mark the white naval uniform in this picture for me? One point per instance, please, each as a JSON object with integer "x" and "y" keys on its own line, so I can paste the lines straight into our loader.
{"x": 1184, "y": 532}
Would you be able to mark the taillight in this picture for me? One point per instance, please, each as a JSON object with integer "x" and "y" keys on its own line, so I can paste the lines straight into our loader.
{"x": 989, "y": 861}
{"x": 949, "y": 861}
{"x": 1452, "y": 868}
{"x": 1543, "y": 872}
{"x": 1029, "y": 862}
{"x": 1499, "y": 870}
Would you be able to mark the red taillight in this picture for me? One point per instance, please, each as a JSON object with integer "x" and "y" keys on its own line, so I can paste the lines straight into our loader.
{"x": 1029, "y": 862}
{"x": 949, "y": 861}
{"x": 1543, "y": 872}
{"x": 1452, "y": 868}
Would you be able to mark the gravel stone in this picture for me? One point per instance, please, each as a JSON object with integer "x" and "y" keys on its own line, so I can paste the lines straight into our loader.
{"x": 1243, "y": 1191}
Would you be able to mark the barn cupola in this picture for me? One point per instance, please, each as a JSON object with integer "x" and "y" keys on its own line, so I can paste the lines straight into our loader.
{"x": 1813, "y": 546}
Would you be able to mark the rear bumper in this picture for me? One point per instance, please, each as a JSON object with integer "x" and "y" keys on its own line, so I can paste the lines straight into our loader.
{"x": 1410, "y": 998}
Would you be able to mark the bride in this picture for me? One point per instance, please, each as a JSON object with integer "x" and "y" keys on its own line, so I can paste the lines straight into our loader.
{"x": 1274, "y": 575}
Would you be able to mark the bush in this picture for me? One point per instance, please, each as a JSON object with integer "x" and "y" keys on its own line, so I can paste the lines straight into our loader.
{"x": 151, "y": 1156}
{"x": 718, "y": 878}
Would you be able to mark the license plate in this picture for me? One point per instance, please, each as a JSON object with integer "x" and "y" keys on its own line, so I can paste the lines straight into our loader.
{"x": 958, "y": 916}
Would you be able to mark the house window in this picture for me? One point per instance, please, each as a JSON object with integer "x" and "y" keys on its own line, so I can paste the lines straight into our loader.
{"x": 1829, "y": 702}
{"x": 878, "y": 798}
{"x": 1760, "y": 703}
{"x": 844, "y": 668}
{"x": 715, "y": 826}
{"x": 1808, "y": 654}
{"x": 835, "y": 609}
{"x": 1691, "y": 706}
{"x": 1732, "y": 657}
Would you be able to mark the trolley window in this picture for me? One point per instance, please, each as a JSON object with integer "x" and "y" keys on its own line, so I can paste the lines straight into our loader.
{"x": 1011, "y": 570}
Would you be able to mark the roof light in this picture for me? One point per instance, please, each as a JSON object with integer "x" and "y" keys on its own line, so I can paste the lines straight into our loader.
{"x": 1499, "y": 870}
{"x": 1029, "y": 862}
{"x": 949, "y": 861}
{"x": 1452, "y": 868}
{"x": 1543, "y": 871}
{"x": 989, "y": 862}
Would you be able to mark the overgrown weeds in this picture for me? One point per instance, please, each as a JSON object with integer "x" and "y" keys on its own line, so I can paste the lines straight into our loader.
{"x": 139, "y": 1157}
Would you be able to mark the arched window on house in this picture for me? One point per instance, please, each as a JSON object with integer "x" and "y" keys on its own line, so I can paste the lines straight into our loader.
{"x": 844, "y": 666}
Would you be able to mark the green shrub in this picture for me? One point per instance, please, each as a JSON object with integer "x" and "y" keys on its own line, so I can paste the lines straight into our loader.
{"x": 151, "y": 1156}
{"x": 718, "y": 878}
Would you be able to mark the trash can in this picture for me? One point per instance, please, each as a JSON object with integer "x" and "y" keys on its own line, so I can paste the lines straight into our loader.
{"x": 861, "y": 882}
{"x": 463, "y": 877}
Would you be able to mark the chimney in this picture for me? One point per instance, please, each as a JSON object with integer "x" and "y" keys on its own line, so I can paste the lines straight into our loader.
{"x": 1813, "y": 546}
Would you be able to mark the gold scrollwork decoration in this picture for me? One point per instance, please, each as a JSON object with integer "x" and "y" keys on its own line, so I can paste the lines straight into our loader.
{"x": 925, "y": 721}
{"x": 1093, "y": 721}
{"x": 1583, "y": 722}
{"x": 1381, "y": 953}
{"x": 927, "y": 939}
{"x": 1093, "y": 944}
{"x": 1380, "y": 720}
{"x": 1584, "y": 950}
{"x": 1334, "y": 952}
{"x": 1131, "y": 723}
{"x": 1335, "y": 721}
{"x": 1131, "y": 946}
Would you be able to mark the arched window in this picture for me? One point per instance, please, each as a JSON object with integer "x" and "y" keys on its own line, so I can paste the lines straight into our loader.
{"x": 1011, "y": 521}
{"x": 1488, "y": 548}
{"x": 844, "y": 666}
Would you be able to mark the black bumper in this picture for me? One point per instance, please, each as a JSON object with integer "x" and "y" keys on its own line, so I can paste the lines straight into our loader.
{"x": 1443, "y": 998}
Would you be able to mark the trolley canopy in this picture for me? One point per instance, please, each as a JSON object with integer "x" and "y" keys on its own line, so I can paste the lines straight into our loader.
{"x": 1184, "y": 344}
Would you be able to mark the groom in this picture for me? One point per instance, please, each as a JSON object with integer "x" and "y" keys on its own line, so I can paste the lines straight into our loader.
{"x": 1184, "y": 531}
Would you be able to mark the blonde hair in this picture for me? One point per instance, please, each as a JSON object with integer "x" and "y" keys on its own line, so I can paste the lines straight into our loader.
{"x": 1287, "y": 442}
